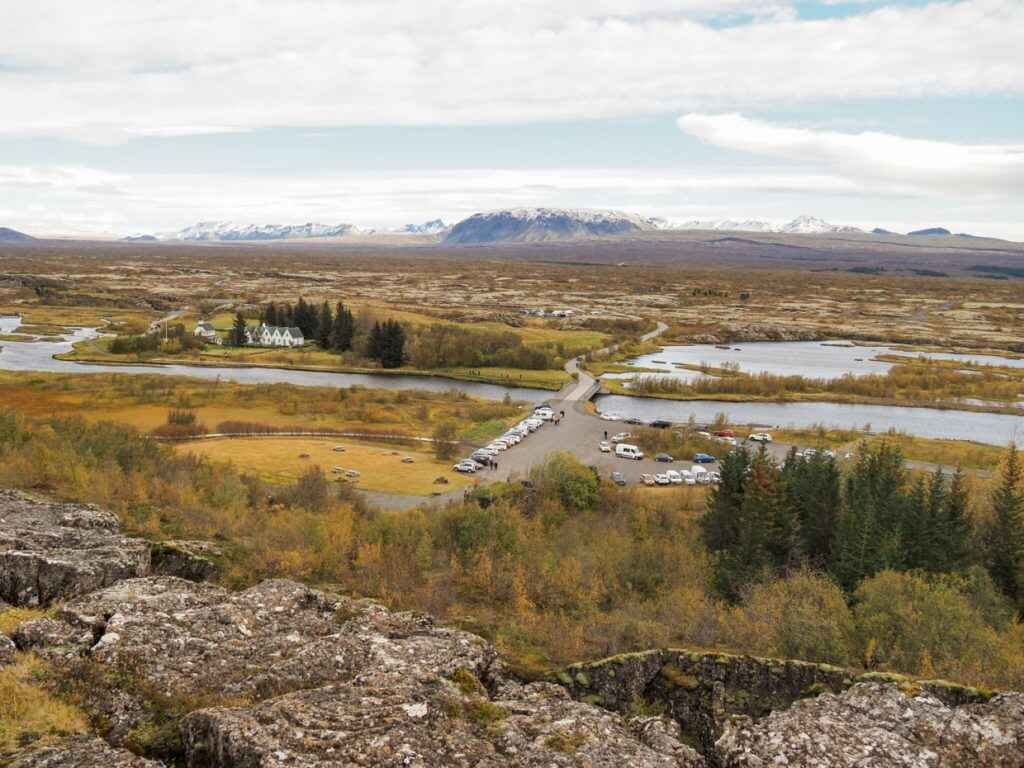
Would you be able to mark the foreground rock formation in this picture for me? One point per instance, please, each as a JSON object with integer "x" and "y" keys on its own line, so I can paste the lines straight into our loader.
{"x": 283, "y": 675}
{"x": 51, "y": 551}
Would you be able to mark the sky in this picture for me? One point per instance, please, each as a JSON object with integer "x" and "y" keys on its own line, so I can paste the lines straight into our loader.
{"x": 123, "y": 117}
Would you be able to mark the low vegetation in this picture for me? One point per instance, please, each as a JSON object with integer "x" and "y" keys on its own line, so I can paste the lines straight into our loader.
{"x": 568, "y": 567}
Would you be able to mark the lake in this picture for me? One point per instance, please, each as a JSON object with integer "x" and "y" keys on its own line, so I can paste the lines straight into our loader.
{"x": 812, "y": 359}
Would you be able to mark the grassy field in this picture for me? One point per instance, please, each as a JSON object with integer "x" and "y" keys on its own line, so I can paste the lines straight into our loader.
{"x": 381, "y": 467}
{"x": 143, "y": 401}
{"x": 52, "y": 318}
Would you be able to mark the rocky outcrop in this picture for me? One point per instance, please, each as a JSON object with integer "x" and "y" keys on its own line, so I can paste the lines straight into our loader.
{"x": 703, "y": 692}
{"x": 52, "y": 552}
{"x": 379, "y": 719}
{"x": 875, "y": 725}
{"x": 7, "y": 650}
{"x": 304, "y": 677}
{"x": 80, "y": 752}
{"x": 58, "y": 551}
{"x": 192, "y": 560}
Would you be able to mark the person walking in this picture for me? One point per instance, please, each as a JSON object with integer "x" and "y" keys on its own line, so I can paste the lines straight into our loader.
{"x": 606, "y": 434}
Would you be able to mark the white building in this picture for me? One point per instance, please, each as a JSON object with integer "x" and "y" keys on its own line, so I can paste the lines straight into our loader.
{"x": 274, "y": 336}
{"x": 207, "y": 333}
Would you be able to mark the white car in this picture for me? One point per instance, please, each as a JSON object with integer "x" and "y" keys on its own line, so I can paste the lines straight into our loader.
{"x": 674, "y": 477}
{"x": 466, "y": 467}
{"x": 606, "y": 447}
{"x": 545, "y": 414}
{"x": 688, "y": 477}
{"x": 512, "y": 438}
{"x": 621, "y": 437}
{"x": 498, "y": 445}
{"x": 627, "y": 451}
{"x": 611, "y": 417}
{"x": 648, "y": 479}
{"x": 662, "y": 479}
{"x": 760, "y": 437}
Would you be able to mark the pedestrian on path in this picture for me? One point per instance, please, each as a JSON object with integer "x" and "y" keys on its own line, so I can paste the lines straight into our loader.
{"x": 606, "y": 434}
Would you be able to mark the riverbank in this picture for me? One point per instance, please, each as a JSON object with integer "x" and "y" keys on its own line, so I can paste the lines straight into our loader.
{"x": 552, "y": 380}
{"x": 618, "y": 387}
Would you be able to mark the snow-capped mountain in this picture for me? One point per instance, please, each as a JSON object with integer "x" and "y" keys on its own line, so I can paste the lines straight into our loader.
{"x": 540, "y": 224}
{"x": 226, "y": 230}
{"x": 801, "y": 225}
{"x": 433, "y": 227}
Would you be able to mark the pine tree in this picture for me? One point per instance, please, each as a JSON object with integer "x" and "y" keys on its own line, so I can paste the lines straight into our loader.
{"x": 956, "y": 524}
{"x": 720, "y": 523}
{"x": 375, "y": 342}
{"x": 917, "y": 528}
{"x": 343, "y": 329}
{"x": 392, "y": 353}
{"x": 238, "y": 331}
{"x": 325, "y": 324}
{"x": 813, "y": 490}
{"x": 1005, "y": 535}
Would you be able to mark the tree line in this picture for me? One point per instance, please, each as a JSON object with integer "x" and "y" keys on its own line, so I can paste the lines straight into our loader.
{"x": 765, "y": 520}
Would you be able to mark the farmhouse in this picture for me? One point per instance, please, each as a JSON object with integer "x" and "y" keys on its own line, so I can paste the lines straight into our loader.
{"x": 274, "y": 336}
{"x": 207, "y": 333}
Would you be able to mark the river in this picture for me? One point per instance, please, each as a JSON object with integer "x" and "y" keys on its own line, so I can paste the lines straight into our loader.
{"x": 38, "y": 356}
{"x": 991, "y": 428}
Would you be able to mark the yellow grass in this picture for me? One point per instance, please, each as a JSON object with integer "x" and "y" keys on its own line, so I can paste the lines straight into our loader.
{"x": 278, "y": 459}
{"x": 27, "y": 711}
{"x": 43, "y": 314}
{"x": 10, "y": 618}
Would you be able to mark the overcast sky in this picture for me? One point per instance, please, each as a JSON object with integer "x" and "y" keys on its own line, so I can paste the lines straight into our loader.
{"x": 121, "y": 116}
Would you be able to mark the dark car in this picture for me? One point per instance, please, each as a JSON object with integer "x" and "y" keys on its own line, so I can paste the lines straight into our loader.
{"x": 703, "y": 458}
{"x": 661, "y": 424}
{"x": 618, "y": 478}
{"x": 632, "y": 420}
{"x": 664, "y": 457}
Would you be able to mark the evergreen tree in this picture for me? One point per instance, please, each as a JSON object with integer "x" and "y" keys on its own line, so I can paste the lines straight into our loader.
{"x": 956, "y": 525}
{"x": 238, "y": 331}
{"x": 868, "y": 533}
{"x": 812, "y": 487}
{"x": 917, "y": 528}
{"x": 375, "y": 342}
{"x": 720, "y": 523}
{"x": 343, "y": 329}
{"x": 1005, "y": 534}
{"x": 392, "y": 353}
{"x": 325, "y": 324}
{"x": 305, "y": 318}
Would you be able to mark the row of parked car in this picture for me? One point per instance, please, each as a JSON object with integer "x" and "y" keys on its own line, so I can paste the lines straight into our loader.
{"x": 693, "y": 476}
{"x": 483, "y": 457}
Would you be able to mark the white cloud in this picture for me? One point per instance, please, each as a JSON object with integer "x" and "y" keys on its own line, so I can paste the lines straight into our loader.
{"x": 880, "y": 161}
{"x": 105, "y": 71}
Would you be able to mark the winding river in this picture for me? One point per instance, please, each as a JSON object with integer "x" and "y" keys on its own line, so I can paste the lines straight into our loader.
{"x": 38, "y": 356}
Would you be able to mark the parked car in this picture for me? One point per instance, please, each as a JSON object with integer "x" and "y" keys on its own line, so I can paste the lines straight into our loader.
{"x": 647, "y": 479}
{"x": 714, "y": 478}
{"x": 760, "y": 437}
{"x": 466, "y": 467}
{"x": 611, "y": 416}
{"x": 664, "y": 457}
{"x": 808, "y": 452}
{"x": 606, "y": 447}
{"x": 662, "y": 479}
{"x": 724, "y": 433}
{"x": 512, "y": 438}
{"x": 627, "y": 451}
{"x": 661, "y": 424}
{"x": 633, "y": 420}
{"x": 674, "y": 477}
{"x": 618, "y": 478}
{"x": 688, "y": 477}
{"x": 703, "y": 458}
{"x": 544, "y": 414}
{"x": 706, "y": 435}
{"x": 621, "y": 437}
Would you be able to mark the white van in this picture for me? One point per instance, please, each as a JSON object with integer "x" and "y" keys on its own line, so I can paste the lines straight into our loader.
{"x": 627, "y": 451}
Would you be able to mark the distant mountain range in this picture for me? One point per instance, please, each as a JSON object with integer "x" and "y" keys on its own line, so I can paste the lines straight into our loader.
{"x": 8, "y": 235}
{"x": 227, "y": 231}
{"x": 801, "y": 225}
{"x": 433, "y": 227}
{"x": 529, "y": 225}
